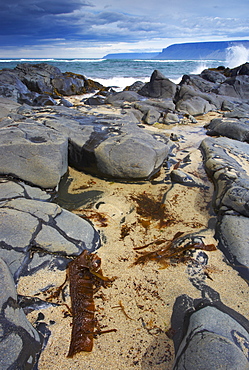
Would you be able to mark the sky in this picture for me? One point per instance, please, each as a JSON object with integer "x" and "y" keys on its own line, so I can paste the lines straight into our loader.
{"x": 94, "y": 28}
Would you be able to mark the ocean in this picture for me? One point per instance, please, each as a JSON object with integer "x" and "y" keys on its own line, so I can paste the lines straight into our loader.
{"x": 121, "y": 73}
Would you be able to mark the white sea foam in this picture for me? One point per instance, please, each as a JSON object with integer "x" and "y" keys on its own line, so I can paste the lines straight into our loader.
{"x": 236, "y": 55}
{"x": 119, "y": 82}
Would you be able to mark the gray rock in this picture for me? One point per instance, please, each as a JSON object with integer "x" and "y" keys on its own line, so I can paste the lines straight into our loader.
{"x": 151, "y": 116}
{"x": 213, "y": 340}
{"x": 237, "y": 87}
{"x": 119, "y": 97}
{"x": 20, "y": 343}
{"x": 184, "y": 178}
{"x": 195, "y": 106}
{"x": 158, "y": 87}
{"x": 11, "y": 86}
{"x": 43, "y": 100}
{"x": 33, "y": 153}
{"x": 7, "y": 106}
{"x": 11, "y": 190}
{"x": 112, "y": 146}
{"x": 170, "y": 118}
{"x": 132, "y": 155}
{"x": 232, "y": 128}
{"x": 29, "y": 224}
{"x": 213, "y": 76}
{"x": 233, "y": 235}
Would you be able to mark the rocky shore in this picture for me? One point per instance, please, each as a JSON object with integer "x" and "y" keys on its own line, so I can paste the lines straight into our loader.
{"x": 155, "y": 179}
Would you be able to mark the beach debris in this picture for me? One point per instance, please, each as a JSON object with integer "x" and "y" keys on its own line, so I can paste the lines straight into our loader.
{"x": 85, "y": 278}
{"x": 173, "y": 251}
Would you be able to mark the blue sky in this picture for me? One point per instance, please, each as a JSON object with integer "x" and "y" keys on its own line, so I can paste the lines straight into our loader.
{"x": 93, "y": 28}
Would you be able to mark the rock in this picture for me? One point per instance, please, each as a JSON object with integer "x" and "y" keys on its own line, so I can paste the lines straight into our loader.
{"x": 170, "y": 118}
{"x": 66, "y": 103}
{"x": 151, "y": 116}
{"x": 30, "y": 226}
{"x": 233, "y": 234}
{"x": 158, "y": 87}
{"x": 43, "y": 100}
{"x": 135, "y": 86}
{"x": 95, "y": 100}
{"x": 240, "y": 70}
{"x": 236, "y": 87}
{"x": 20, "y": 343}
{"x": 11, "y": 86}
{"x": 232, "y": 128}
{"x": 210, "y": 327}
{"x": 7, "y": 106}
{"x": 194, "y": 106}
{"x": 118, "y": 98}
{"x": 111, "y": 146}
{"x": 224, "y": 161}
{"x": 38, "y": 77}
{"x": 213, "y": 76}
{"x": 131, "y": 155}
{"x": 33, "y": 153}
{"x": 184, "y": 178}
{"x": 13, "y": 189}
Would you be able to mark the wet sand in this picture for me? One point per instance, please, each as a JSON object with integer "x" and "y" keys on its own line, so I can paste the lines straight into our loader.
{"x": 140, "y": 301}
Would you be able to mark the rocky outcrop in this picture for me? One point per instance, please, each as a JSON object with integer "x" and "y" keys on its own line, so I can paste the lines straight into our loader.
{"x": 226, "y": 163}
{"x": 38, "y": 84}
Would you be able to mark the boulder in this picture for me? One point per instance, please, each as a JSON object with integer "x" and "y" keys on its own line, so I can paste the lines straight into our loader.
{"x": 158, "y": 87}
{"x": 194, "y": 106}
{"x": 33, "y": 153}
{"x": 20, "y": 343}
{"x": 232, "y": 128}
{"x": 213, "y": 76}
{"x": 111, "y": 146}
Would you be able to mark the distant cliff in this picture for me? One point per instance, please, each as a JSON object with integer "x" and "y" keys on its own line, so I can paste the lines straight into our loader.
{"x": 215, "y": 50}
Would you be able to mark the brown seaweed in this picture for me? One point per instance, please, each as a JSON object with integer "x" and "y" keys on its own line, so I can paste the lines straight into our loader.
{"x": 171, "y": 251}
{"x": 85, "y": 278}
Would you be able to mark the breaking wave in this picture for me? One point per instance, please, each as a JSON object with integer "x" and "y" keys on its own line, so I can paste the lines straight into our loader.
{"x": 236, "y": 55}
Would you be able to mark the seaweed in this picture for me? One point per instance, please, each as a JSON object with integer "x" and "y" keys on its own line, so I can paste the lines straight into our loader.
{"x": 152, "y": 209}
{"x": 85, "y": 278}
{"x": 173, "y": 251}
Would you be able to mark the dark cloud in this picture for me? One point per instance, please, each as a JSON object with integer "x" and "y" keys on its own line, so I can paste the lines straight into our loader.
{"x": 25, "y": 23}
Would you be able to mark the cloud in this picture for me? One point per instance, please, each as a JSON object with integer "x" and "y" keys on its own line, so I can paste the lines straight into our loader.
{"x": 37, "y": 23}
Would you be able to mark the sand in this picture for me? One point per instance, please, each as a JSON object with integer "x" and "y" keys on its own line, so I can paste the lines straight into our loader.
{"x": 140, "y": 301}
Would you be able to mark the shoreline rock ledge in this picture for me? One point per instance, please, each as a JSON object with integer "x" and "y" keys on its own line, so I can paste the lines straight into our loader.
{"x": 40, "y": 137}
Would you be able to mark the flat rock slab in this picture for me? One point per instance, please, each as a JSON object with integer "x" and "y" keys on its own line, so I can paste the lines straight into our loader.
{"x": 33, "y": 153}
{"x": 14, "y": 189}
{"x": 30, "y": 226}
{"x": 20, "y": 343}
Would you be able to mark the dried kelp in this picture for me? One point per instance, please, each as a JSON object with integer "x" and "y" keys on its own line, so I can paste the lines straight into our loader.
{"x": 175, "y": 251}
{"x": 85, "y": 278}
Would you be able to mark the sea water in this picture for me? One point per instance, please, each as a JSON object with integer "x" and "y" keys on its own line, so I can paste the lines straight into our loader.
{"x": 120, "y": 73}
